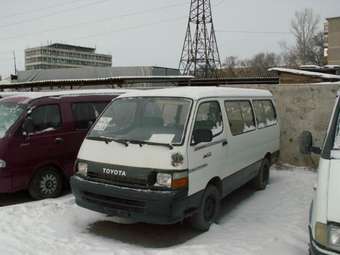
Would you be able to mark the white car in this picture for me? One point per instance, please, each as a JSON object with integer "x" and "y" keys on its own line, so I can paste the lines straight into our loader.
{"x": 163, "y": 155}
{"x": 324, "y": 220}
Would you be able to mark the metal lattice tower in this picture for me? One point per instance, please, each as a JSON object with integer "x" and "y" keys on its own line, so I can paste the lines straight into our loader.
{"x": 200, "y": 56}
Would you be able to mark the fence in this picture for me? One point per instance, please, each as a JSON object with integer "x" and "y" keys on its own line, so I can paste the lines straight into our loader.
{"x": 302, "y": 107}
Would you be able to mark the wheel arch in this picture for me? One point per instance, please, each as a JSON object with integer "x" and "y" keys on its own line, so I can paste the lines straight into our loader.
{"x": 217, "y": 182}
{"x": 269, "y": 157}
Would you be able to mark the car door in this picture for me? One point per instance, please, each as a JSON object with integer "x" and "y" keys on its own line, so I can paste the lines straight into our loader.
{"x": 82, "y": 115}
{"x": 41, "y": 147}
{"x": 206, "y": 160}
{"x": 242, "y": 135}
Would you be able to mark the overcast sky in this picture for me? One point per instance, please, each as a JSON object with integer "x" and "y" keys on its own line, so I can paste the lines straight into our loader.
{"x": 146, "y": 32}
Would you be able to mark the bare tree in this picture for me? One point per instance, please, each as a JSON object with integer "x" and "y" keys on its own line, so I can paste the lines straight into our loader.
{"x": 257, "y": 65}
{"x": 261, "y": 62}
{"x": 305, "y": 27}
{"x": 318, "y": 50}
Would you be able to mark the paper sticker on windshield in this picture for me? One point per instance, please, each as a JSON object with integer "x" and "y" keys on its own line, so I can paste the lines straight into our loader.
{"x": 102, "y": 123}
{"x": 161, "y": 138}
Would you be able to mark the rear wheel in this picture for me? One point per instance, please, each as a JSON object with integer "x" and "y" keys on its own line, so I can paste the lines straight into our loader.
{"x": 208, "y": 210}
{"x": 261, "y": 181}
{"x": 46, "y": 183}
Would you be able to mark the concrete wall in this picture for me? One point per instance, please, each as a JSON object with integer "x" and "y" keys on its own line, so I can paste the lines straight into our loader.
{"x": 302, "y": 107}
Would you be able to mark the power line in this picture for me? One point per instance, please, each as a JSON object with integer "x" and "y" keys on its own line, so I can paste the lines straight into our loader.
{"x": 39, "y": 9}
{"x": 253, "y": 32}
{"x": 53, "y": 14}
{"x": 129, "y": 14}
{"x": 107, "y": 33}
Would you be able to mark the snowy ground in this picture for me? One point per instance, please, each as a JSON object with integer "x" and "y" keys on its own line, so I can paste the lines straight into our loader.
{"x": 269, "y": 222}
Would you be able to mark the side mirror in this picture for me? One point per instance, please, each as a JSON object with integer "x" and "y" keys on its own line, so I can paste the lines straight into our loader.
{"x": 306, "y": 144}
{"x": 28, "y": 126}
{"x": 202, "y": 136}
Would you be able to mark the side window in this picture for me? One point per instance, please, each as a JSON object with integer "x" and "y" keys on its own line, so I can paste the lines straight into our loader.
{"x": 248, "y": 116}
{"x": 209, "y": 116}
{"x": 99, "y": 107}
{"x": 240, "y": 116}
{"x": 46, "y": 118}
{"x": 86, "y": 113}
{"x": 265, "y": 113}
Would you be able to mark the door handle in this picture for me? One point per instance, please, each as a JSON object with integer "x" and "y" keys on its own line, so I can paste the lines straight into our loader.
{"x": 209, "y": 154}
{"x": 59, "y": 140}
{"x": 225, "y": 142}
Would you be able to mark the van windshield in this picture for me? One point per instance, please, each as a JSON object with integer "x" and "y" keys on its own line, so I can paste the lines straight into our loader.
{"x": 9, "y": 113}
{"x": 144, "y": 119}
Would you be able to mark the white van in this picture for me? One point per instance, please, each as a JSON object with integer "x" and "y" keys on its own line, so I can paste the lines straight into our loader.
{"x": 160, "y": 156}
{"x": 324, "y": 220}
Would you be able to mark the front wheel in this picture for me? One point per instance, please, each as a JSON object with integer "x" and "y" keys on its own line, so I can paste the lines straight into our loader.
{"x": 46, "y": 183}
{"x": 208, "y": 210}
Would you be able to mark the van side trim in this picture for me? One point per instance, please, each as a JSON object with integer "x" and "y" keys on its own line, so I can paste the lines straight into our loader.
{"x": 240, "y": 178}
{"x": 198, "y": 168}
{"x": 210, "y": 144}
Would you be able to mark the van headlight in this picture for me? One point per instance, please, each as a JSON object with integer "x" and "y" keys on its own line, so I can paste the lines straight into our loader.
{"x": 2, "y": 163}
{"x": 82, "y": 168}
{"x": 328, "y": 235}
{"x": 334, "y": 237}
{"x": 163, "y": 180}
{"x": 175, "y": 180}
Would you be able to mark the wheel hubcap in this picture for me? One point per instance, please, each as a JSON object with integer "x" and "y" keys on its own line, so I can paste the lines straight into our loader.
{"x": 48, "y": 184}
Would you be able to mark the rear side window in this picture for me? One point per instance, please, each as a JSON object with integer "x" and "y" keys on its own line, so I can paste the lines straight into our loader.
{"x": 240, "y": 116}
{"x": 86, "y": 113}
{"x": 46, "y": 118}
{"x": 265, "y": 113}
{"x": 209, "y": 116}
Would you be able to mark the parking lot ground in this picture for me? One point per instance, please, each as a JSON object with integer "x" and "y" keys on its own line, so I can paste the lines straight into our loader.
{"x": 273, "y": 221}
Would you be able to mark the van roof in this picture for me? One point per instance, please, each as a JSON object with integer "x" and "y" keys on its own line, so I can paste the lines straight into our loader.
{"x": 201, "y": 92}
{"x": 65, "y": 93}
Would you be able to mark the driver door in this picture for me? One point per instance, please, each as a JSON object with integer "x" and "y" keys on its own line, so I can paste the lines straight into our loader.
{"x": 45, "y": 145}
{"x": 206, "y": 160}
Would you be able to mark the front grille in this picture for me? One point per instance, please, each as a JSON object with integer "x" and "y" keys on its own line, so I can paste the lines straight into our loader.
{"x": 141, "y": 182}
{"x": 115, "y": 203}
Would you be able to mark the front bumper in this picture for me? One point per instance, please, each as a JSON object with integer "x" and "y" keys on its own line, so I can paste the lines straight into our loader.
{"x": 158, "y": 207}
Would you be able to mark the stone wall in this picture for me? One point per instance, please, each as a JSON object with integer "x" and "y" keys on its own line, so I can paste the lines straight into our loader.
{"x": 302, "y": 107}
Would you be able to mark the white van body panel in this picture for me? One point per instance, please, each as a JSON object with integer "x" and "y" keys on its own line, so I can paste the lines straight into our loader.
{"x": 211, "y": 159}
{"x": 320, "y": 201}
{"x": 334, "y": 191}
{"x": 240, "y": 151}
{"x": 133, "y": 155}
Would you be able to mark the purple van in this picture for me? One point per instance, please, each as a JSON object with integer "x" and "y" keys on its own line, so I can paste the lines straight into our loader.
{"x": 40, "y": 135}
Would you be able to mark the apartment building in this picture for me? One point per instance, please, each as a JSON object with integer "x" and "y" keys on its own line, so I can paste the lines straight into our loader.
{"x": 332, "y": 41}
{"x": 58, "y": 55}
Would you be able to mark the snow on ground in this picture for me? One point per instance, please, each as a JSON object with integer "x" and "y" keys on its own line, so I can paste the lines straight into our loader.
{"x": 268, "y": 222}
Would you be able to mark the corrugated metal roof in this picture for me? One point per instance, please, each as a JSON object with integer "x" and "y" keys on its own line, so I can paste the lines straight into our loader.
{"x": 93, "y": 73}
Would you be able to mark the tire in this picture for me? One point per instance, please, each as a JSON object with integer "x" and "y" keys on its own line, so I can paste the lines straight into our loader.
{"x": 46, "y": 183}
{"x": 261, "y": 181}
{"x": 208, "y": 210}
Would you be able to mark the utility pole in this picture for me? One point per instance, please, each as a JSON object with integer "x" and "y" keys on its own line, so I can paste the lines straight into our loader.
{"x": 15, "y": 63}
{"x": 200, "y": 56}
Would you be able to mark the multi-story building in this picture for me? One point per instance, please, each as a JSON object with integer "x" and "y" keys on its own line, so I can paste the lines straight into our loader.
{"x": 332, "y": 41}
{"x": 60, "y": 55}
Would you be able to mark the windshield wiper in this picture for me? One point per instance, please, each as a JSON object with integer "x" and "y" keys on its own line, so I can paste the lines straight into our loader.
{"x": 108, "y": 140}
{"x": 140, "y": 143}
